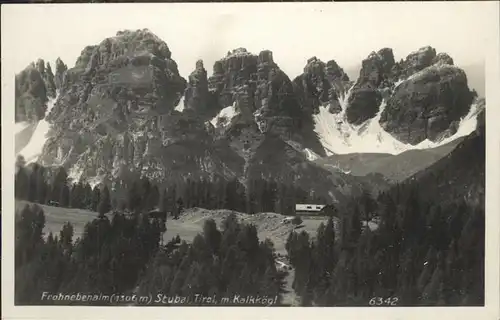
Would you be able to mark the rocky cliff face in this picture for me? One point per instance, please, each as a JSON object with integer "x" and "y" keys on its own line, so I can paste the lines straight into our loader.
{"x": 429, "y": 105}
{"x": 425, "y": 95}
{"x": 261, "y": 92}
{"x": 48, "y": 78}
{"x": 197, "y": 97}
{"x": 30, "y": 95}
{"x": 61, "y": 69}
{"x": 112, "y": 108}
{"x": 321, "y": 84}
{"x": 115, "y": 118}
{"x": 366, "y": 95}
{"x": 34, "y": 86}
{"x": 265, "y": 119}
{"x": 115, "y": 114}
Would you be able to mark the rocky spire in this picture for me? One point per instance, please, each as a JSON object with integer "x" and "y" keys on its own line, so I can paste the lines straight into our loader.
{"x": 61, "y": 69}
{"x": 196, "y": 94}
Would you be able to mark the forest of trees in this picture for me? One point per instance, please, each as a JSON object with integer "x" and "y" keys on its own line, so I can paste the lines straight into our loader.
{"x": 36, "y": 184}
{"x": 424, "y": 253}
{"x": 124, "y": 255}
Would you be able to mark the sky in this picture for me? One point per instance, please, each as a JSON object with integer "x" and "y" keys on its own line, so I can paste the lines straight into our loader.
{"x": 345, "y": 32}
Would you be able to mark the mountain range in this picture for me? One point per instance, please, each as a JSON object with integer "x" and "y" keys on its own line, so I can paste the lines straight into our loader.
{"x": 124, "y": 111}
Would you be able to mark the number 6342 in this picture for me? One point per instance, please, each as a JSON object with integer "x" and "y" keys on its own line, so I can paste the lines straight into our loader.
{"x": 379, "y": 301}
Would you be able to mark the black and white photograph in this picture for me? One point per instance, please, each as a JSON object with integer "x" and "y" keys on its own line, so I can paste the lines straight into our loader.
{"x": 198, "y": 155}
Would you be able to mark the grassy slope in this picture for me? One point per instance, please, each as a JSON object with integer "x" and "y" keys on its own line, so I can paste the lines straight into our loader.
{"x": 269, "y": 225}
{"x": 187, "y": 227}
{"x": 56, "y": 217}
{"x": 459, "y": 175}
{"x": 394, "y": 167}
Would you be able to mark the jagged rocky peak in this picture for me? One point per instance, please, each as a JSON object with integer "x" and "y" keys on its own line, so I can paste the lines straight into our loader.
{"x": 200, "y": 67}
{"x": 127, "y": 48}
{"x": 418, "y": 60}
{"x": 429, "y": 103}
{"x": 259, "y": 96}
{"x": 443, "y": 58}
{"x": 375, "y": 68}
{"x": 34, "y": 86}
{"x": 423, "y": 58}
{"x": 61, "y": 69}
{"x": 197, "y": 96}
{"x": 238, "y": 52}
{"x": 335, "y": 72}
{"x": 425, "y": 94}
{"x": 50, "y": 81}
{"x": 48, "y": 77}
{"x": 239, "y": 67}
{"x": 243, "y": 75}
{"x": 365, "y": 98}
{"x": 266, "y": 57}
{"x": 30, "y": 95}
{"x": 126, "y": 84}
{"x": 131, "y": 60}
{"x": 40, "y": 66}
{"x": 321, "y": 84}
{"x": 315, "y": 67}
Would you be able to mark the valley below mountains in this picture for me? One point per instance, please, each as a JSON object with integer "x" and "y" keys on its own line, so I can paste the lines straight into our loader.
{"x": 123, "y": 112}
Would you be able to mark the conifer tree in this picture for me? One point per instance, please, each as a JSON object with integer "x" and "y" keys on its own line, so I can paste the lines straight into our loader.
{"x": 355, "y": 225}
{"x": 33, "y": 181}
{"x": 65, "y": 195}
{"x": 153, "y": 198}
{"x": 179, "y": 208}
{"x": 96, "y": 198}
{"x": 87, "y": 202}
{"x": 66, "y": 236}
{"x": 41, "y": 187}
{"x": 163, "y": 201}
{"x": 171, "y": 199}
{"x": 134, "y": 198}
{"x": 144, "y": 193}
{"x": 104, "y": 202}
{"x": 21, "y": 184}
{"x": 60, "y": 180}
{"x": 73, "y": 199}
{"x": 212, "y": 235}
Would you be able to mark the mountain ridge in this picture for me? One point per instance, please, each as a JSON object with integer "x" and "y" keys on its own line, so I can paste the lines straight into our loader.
{"x": 116, "y": 112}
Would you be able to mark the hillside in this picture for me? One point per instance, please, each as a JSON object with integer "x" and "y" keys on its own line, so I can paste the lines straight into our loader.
{"x": 269, "y": 225}
{"x": 56, "y": 217}
{"x": 396, "y": 168}
{"x": 461, "y": 174}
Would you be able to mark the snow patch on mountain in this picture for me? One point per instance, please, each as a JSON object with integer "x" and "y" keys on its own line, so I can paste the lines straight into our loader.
{"x": 397, "y": 83}
{"x": 225, "y": 116}
{"x": 180, "y": 105}
{"x": 311, "y": 155}
{"x": 339, "y": 169}
{"x": 339, "y": 137}
{"x": 34, "y": 148}
{"x": 467, "y": 125}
